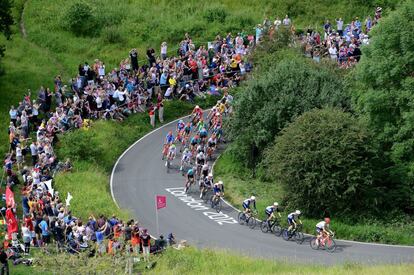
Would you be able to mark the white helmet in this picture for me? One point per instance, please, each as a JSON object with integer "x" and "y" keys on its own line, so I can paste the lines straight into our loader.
{"x": 205, "y": 166}
{"x": 220, "y": 182}
{"x": 297, "y": 212}
{"x": 253, "y": 198}
{"x": 210, "y": 175}
{"x": 275, "y": 204}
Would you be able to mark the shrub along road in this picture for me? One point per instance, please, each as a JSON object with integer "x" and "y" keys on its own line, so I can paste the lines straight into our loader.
{"x": 139, "y": 175}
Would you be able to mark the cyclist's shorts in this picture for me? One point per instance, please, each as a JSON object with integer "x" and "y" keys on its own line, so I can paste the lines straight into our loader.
{"x": 290, "y": 221}
{"x": 203, "y": 134}
{"x": 268, "y": 213}
{"x": 318, "y": 230}
{"x": 245, "y": 206}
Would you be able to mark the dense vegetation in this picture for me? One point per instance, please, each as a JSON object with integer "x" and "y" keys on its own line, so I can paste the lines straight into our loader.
{"x": 352, "y": 163}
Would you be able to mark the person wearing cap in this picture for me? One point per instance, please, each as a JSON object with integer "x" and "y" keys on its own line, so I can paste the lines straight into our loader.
{"x": 293, "y": 219}
{"x": 248, "y": 203}
{"x": 323, "y": 230}
{"x": 270, "y": 212}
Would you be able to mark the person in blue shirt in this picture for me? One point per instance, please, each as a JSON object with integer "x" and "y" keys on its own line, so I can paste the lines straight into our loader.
{"x": 169, "y": 138}
{"x": 44, "y": 226}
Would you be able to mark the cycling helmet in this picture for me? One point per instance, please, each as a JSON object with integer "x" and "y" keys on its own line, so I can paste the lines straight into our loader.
{"x": 170, "y": 132}
{"x": 172, "y": 145}
{"x": 297, "y": 212}
{"x": 220, "y": 182}
{"x": 253, "y": 198}
{"x": 217, "y": 114}
{"x": 275, "y": 204}
{"x": 216, "y": 184}
{"x": 186, "y": 150}
{"x": 210, "y": 175}
{"x": 180, "y": 121}
{"x": 327, "y": 220}
{"x": 197, "y": 107}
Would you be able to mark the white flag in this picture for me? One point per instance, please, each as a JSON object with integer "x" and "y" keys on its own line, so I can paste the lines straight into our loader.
{"x": 68, "y": 199}
{"x": 49, "y": 187}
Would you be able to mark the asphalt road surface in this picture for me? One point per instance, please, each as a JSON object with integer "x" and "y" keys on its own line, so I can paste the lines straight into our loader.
{"x": 139, "y": 175}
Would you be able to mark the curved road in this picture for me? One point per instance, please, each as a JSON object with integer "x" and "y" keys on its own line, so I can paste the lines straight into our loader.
{"x": 139, "y": 175}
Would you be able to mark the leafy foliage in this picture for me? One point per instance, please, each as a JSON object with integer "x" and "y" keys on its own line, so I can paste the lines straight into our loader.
{"x": 80, "y": 19}
{"x": 6, "y": 18}
{"x": 288, "y": 86}
{"x": 384, "y": 95}
{"x": 323, "y": 160}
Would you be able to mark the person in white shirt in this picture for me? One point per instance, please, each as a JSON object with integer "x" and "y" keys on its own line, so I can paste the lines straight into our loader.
{"x": 277, "y": 22}
{"x": 286, "y": 21}
{"x": 164, "y": 50}
{"x": 333, "y": 53}
{"x": 168, "y": 93}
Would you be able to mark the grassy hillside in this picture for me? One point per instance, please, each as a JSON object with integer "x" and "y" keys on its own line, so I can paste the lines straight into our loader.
{"x": 50, "y": 49}
{"x": 197, "y": 261}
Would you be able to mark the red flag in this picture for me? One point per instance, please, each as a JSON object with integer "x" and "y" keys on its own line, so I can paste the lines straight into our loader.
{"x": 161, "y": 202}
{"x": 9, "y": 197}
{"x": 12, "y": 226}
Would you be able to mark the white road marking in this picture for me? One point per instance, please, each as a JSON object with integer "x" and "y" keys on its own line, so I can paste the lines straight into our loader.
{"x": 198, "y": 205}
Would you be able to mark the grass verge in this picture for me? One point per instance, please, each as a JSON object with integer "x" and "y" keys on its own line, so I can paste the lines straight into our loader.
{"x": 239, "y": 184}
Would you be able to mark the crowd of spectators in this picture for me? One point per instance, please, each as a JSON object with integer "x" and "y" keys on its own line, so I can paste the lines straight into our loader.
{"x": 338, "y": 41}
{"x": 97, "y": 94}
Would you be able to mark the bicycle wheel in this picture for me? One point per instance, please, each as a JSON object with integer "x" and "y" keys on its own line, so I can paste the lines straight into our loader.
{"x": 330, "y": 245}
{"x": 277, "y": 230}
{"x": 251, "y": 222}
{"x": 285, "y": 235}
{"x": 299, "y": 237}
{"x": 264, "y": 226}
{"x": 313, "y": 243}
{"x": 241, "y": 217}
{"x": 218, "y": 205}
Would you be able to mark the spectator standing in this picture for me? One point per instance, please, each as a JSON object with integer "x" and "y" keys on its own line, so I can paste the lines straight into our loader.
{"x": 340, "y": 26}
{"x": 333, "y": 53}
{"x": 4, "y": 261}
{"x": 33, "y": 152}
{"x": 286, "y": 21}
{"x": 160, "y": 107}
{"x": 146, "y": 242}
{"x": 133, "y": 54}
{"x": 151, "y": 113}
{"x": 164, "y": 50}
{"x": 13, "y": 115}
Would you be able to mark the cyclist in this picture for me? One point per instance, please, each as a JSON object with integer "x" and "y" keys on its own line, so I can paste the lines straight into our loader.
{"x": 190, "y": 179}
{"x": 270, "y": 212}
{"x": 187, "y": 129}
{"x": 211, "y": 145}
{"x": 200, "y": 149}
{"x": 204, "y": 170}
{"x": 172, "y": 151}
{"x": 200, "y": 160}
{"x": 293, "y": 219}
{"x": 180, "y": 126}
{"x": 206, "y": 184}
{"x": 169, "y": 139}
{"x": 200, "y": 125}
{"x": 185, "y": 159}
{"x": 203, "y": 134}
{"x": 194, "y": 141}
{"x": 247, "y": 204}
{"x": 218, "y": 190}
{"x": 197, "y": 114}
{"x": 322, "y": 229}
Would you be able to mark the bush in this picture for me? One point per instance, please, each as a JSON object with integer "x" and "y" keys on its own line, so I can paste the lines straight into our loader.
{"x": 112, "y": 35}
{"x": 80, "y": 19}
{"x": 284, "y": 88}
{"x": 217, "y": 14}
{"x": 323, "y": 160}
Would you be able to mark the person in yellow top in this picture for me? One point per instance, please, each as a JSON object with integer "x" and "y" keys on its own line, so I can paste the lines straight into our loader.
{"x": 172, "y": 81}
{"x": 221, "y": 107}
{"x": 86, "y": 124}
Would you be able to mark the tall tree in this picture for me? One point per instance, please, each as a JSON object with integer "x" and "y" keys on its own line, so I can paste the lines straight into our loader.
{"x": 6, "y": 20}
{"x": 384, "y": 94}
